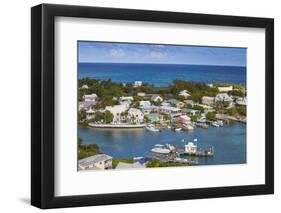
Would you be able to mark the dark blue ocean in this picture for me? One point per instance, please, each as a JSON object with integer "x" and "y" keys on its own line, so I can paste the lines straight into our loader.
{"x": 162, "y": 74}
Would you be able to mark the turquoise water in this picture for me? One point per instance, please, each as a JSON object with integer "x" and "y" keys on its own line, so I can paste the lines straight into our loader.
{"x": 229, "y": 141}
{"x": 162, "y": 74}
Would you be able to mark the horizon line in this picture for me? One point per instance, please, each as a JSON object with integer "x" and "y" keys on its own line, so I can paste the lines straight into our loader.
{"x": 92, "y": 62}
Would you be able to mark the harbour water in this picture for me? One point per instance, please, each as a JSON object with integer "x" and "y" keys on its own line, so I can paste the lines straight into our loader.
{"x": 162, "y": 74}
{"x": 229, "y": 141}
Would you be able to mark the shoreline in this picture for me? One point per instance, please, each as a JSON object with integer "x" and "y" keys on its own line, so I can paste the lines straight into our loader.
{"x": 116, "y": 125}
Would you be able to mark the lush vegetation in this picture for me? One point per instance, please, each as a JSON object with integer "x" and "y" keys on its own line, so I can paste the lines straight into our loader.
{"x": 115, "y": 161}
{"x": 106, "y": 117}
{"x": 87, "y": 150}
{"x": 157, "y": 163}
{"x": 237, "y": 111}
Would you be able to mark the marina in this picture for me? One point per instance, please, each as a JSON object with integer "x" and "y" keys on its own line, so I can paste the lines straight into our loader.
{"x": 228, "y": 141}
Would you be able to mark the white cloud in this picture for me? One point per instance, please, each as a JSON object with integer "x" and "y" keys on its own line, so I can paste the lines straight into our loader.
{"x": 117, "y": 52}
{"x": 156, "y": 54}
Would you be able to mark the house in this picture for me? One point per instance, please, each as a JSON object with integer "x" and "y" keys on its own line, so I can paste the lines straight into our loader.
{"x": 135, "y": 165}
{"x": 208, "y": 100}
{"x": 90, "y": 113}
{"x": 85, "y": 105}
{"x": 95, "y": 162}
{"x": 156, "y": 98}
{"x": 189, "y": 102}
{"x": 225, "y": 89}
{"x": 145, "y": 104}
{"x": 126, "y": 100}
{"x": 184, "y": 93}
{"x": 117, "y": 110}
{"x": 165, "y": 104}
{"x": 242, "y": 101}
{"x": 190, "y": 111}
{"x": 148, "y": 109}
{"x": 141, "y": 94}
{"x": 223, "y": 97}
{"x": 85, "y": 86}
{"x": 91, "y": 97}
{"x": 138, "y": 83}
{"x": 184, "y": 119}
{"x": 176, "y": 103}
{"x": 135, "y": 115}
{"x": 173, "y": 111}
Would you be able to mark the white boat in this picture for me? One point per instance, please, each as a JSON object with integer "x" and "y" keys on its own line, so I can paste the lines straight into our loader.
{"x": 137, "y": 158}
{"x": 160, "y": 150}
{"x": 152, "y": 128}
{"x": 170, "y": 147}
{"x": 178, "y": 129}
{"x": 215, "y": 124}
{"x": 220, "y": 122}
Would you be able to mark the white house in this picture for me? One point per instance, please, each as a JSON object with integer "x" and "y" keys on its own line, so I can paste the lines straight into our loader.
{"x": 135, "y": 115}
{"x": 225, "y": 89}
{"x": 117, "y": 110}
{"x": 173, "y": 111}
{"x": 138, "y": 83}
{"x": 156, "y": 98}
{"x": 85, "y": 105}
{"x": 126, "y": 98}
{"x": 223, "y": 97}
{"x": 184, "y": 93}
{"x": 91, "y": 97}
{"x": 141, "y": 94}
{"x": 95, "y": 162}
{"x": 145, "y": 104}
{"x": 85, "y": 86}
{"x": 90, "y": 113}
{"x": 208, "y": 100}
{"x": 242, "y": 101}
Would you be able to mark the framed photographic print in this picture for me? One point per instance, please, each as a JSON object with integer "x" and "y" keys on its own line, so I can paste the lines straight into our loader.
{"x": 139, "y": 106}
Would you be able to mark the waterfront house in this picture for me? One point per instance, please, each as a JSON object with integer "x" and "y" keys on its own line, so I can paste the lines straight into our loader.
{"x": 137, "y": 83}
{"x": 225, "y": 89}
{"x": 207, "y": 100}
{"x": 91, "y": 97}
{"x": 223, "y": 97}
{"x": 95, "y": 162}
{"x": 184, "y": 93}
{"x": 90, "y": 113}
{"x": 135, "y": 116}
{"x": 148, "y": 109}
{"x": 156, "y": 98}
{"x": 145, "y": 104}
{"x": 126, "y": 98}
{"x": 85, "y": 86}
{"x": 117, "y": 110}
{"x": 184, "y": 119}
{"x": 172, "y": 111}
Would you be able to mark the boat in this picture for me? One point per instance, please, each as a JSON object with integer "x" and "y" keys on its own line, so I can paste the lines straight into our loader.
{"x": 215, "y": 124}
{"x": 137, "y": 158}
{"x": 178, "y": 129}
{"x": 220, "y": 122}
{"x": 158, "y": 148}
{"x": 170, "y": 147}
{"x": 152, "y": 128}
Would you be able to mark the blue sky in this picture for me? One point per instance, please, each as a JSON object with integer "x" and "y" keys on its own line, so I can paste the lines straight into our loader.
{"x": 152, "y": 53}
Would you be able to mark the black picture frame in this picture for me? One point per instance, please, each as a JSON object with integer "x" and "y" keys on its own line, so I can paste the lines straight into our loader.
{"x": 43, "y": 102}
